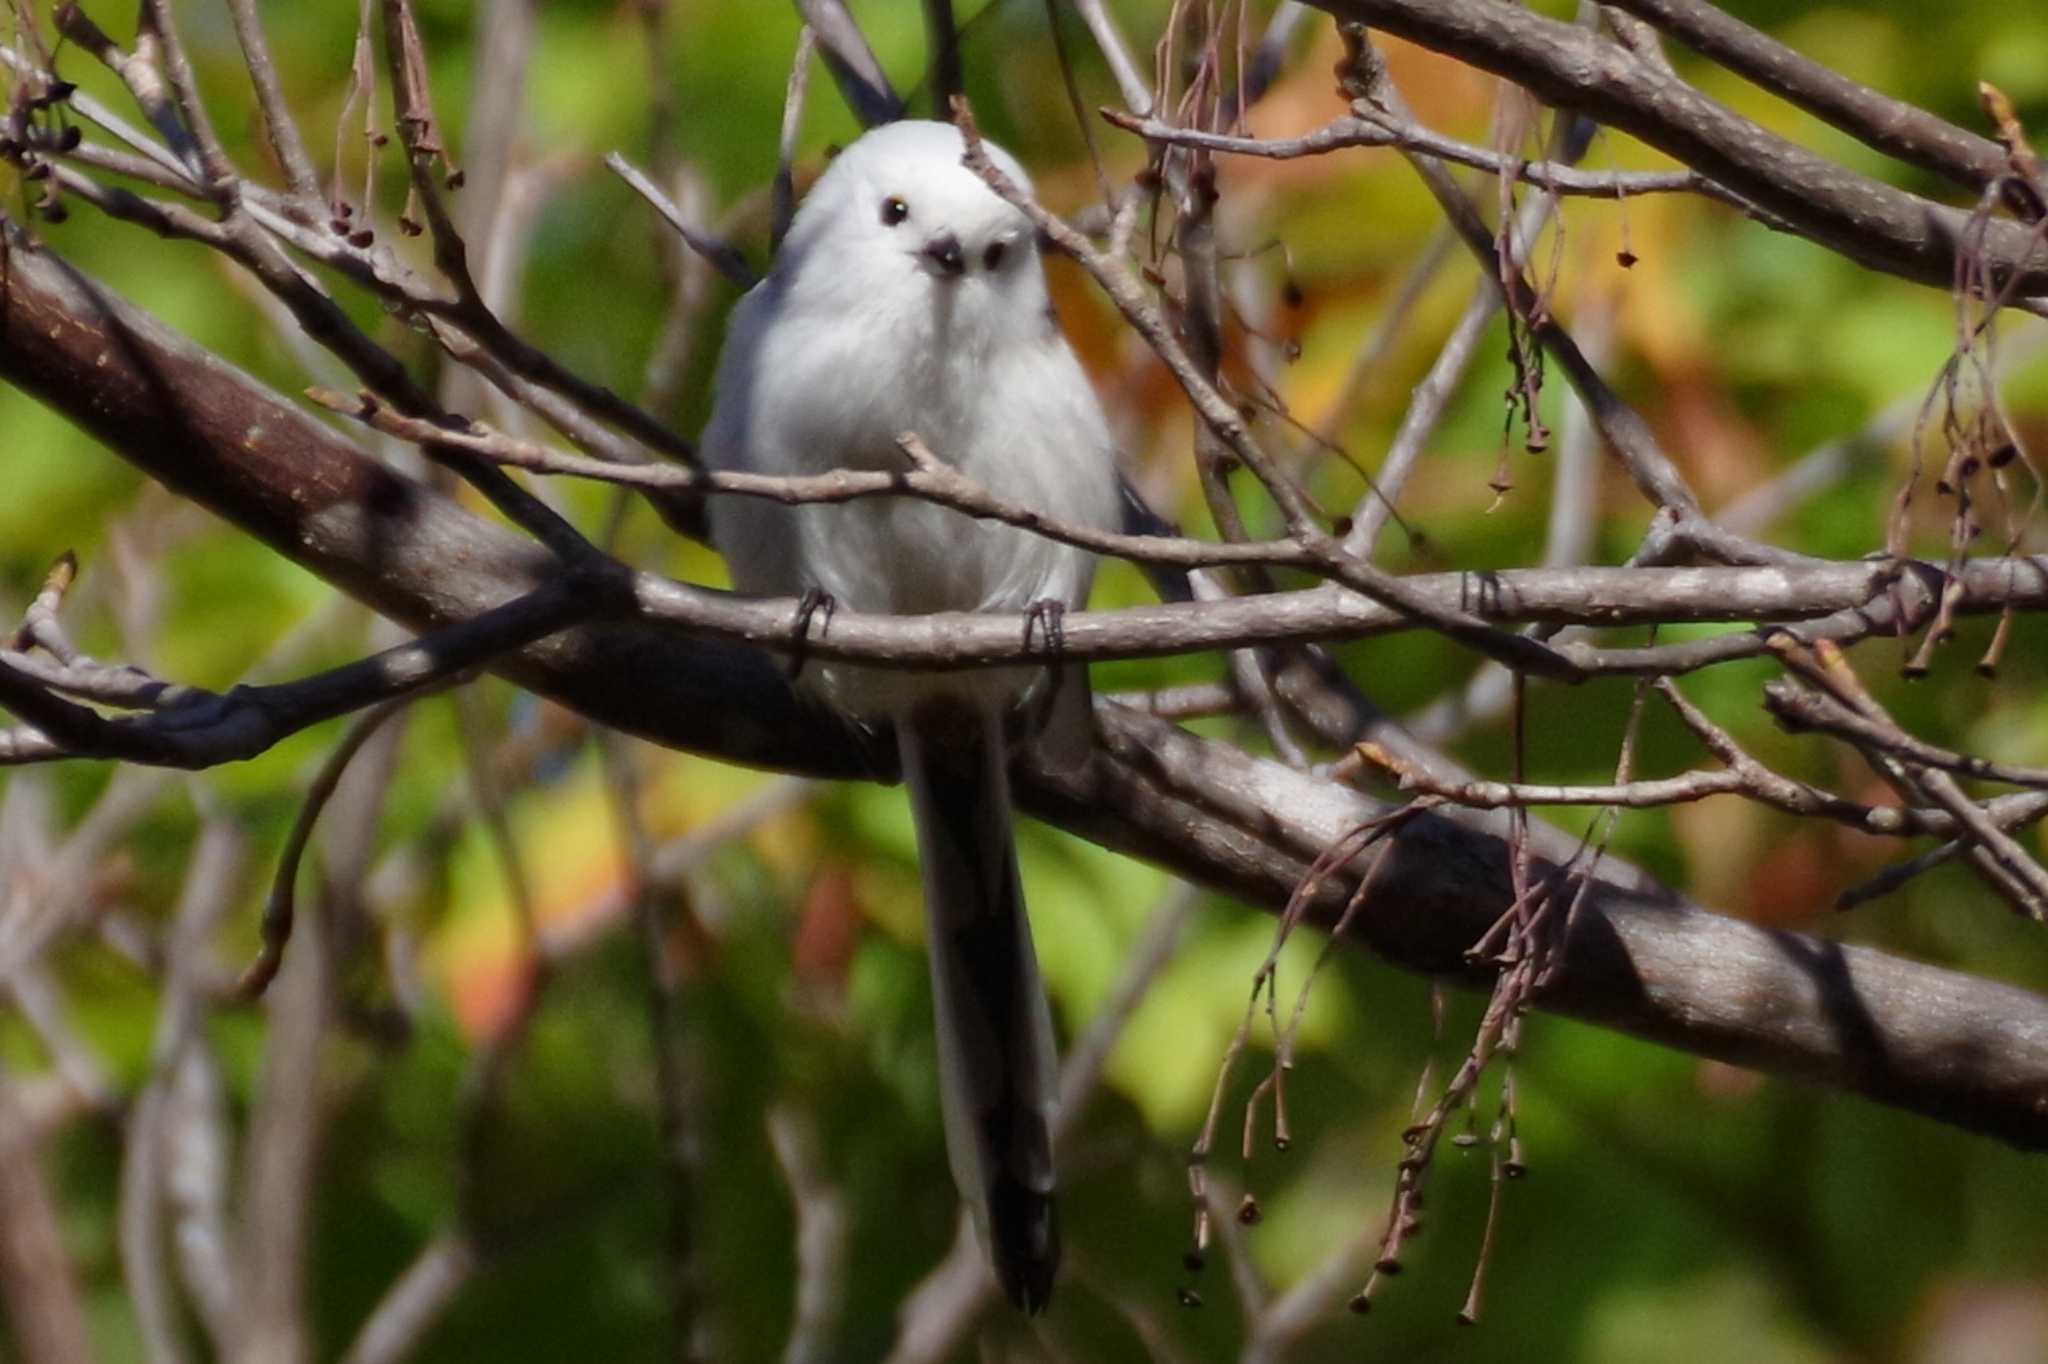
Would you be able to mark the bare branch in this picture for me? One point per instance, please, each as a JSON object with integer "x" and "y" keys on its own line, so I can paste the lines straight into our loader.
{"x": 276, "y": 927}
{"x": 943, "y": 78}
{"x": 721, "y": 255}
{"x": 300, "y": 176}
{"x": 412, "y": 1306}
{"x": 782, "y": 192}
{"x": 1408, "y": 136}
{"x": 45, "y": 1312}
{"x": 146, "y": 1158}
{"x": 1109, "y": 40}
{"x": 1890, "y": 125}
{"x": 1627, "y": 435}
{"x": 505, "y": 35}
{"x": 272, "y": 1324}
{"x": 862, "y": 82}
{"x": 2005, "y": 866}
{"x": 660, "y": 901}
{"x": 189, "y": 727}
{"x": 1808, "y": 711}
{"x": 821, "y": 1234}
{"x": 1426, "y": 407}
{"x": 1885, "y": 228}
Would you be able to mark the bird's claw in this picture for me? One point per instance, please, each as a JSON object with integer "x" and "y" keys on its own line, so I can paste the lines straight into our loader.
{"x": 1048, "y": 616}
{"x": 815, "y": 602}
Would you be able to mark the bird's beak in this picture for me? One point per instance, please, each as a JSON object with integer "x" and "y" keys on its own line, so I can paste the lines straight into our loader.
{"x": 943, "y": 257}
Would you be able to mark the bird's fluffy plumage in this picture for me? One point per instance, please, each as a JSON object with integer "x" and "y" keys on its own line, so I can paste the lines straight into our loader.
{"x": 909, "y": 297}
{"x": 852, "y": 341}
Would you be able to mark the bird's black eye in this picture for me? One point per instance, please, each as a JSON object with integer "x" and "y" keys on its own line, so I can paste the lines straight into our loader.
{"x": 894, "y": 211}
{"x": 993, "y": 257}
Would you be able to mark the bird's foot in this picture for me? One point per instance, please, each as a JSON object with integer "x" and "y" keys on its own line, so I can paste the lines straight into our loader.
{"x": 1048, "y": 617}
{"x": 815, "y": 603}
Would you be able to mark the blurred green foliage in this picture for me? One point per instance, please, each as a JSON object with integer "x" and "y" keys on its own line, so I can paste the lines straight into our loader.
{"x": 1675, "y": 1209}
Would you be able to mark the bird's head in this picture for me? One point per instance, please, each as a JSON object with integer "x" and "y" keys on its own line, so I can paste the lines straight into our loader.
{"x": 898, "y": 211}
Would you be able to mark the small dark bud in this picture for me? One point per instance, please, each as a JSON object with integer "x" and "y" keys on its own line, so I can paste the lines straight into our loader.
{"x": 1626, "y": 259}
{"x": 1249, "y": 1213}
{"x": 2003, "y": 455}
{"x": 338, "y": 226}
{"x": 1291, "y": 295}
{"x": 36, "y": 170}
{"x": 361, "y": 240}
{"x": 60, "y": 91}
{"x": 408, "y": 226}
{"x": 1193, "y": 1261}
{"x": 2022, "y": 199}
{"x": 55, "y": 212}
{"x": 68, "y": 138}
{"x": 1387, "y": 1265}
{"x": 380, "y": 139}
{"x": 1359, "y": 1304}
{"x": 456, "y": 179}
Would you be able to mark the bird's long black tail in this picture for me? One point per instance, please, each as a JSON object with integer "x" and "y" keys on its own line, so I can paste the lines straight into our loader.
{"x": 998, "y": 1073}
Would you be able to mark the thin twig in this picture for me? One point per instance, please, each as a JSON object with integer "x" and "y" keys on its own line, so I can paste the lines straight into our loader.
{"x": 723, "y": 256}
{"x": 283, "y": 131}
{"x": 1407, "y": 135}
{"x": 278, "y": 909}
{"x": 782, "y": 191}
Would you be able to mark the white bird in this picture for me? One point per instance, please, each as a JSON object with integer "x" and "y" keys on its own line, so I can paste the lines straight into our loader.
{"x": 909, "y": 297}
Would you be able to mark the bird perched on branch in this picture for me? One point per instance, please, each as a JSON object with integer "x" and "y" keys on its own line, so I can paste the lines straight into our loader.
{"x": 908, "y": 298}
